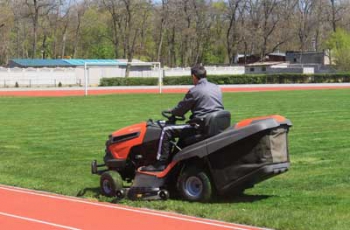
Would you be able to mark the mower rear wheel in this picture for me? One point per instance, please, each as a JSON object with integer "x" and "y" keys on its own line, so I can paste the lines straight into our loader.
{"x": 110, "y": 183}
{"x": 194, "y": 184}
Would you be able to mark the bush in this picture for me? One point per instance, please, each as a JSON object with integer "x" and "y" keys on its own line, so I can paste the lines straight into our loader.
{"x": 183, "y": 80}
{"x": 264, "y": 79}
{"x": 233, "y": 79}
{"x": 131, "y": 81}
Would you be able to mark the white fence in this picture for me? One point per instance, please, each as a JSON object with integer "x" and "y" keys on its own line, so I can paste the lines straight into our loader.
{"x": 11, "y": 77}
{"x": 46, "y": 77}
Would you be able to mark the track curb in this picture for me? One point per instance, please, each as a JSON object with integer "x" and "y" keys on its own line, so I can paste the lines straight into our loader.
{"x": 80, "y": 91}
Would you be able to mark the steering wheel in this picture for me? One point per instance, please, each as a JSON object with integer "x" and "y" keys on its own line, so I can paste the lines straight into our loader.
{"x": 171, "y": 117}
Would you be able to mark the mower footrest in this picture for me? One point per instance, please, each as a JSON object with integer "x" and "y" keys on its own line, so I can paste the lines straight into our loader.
{"x": 95, "y": 166}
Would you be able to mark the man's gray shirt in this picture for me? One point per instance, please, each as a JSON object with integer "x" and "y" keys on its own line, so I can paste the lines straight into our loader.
{"x": 203, "y": 98}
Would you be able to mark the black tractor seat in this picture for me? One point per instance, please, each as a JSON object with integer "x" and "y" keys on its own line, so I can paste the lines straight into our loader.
{"x": 208, "y": 126}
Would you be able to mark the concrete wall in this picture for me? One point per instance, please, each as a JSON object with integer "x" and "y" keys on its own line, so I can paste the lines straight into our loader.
{"x": 280, "y": 69}
{"x": 50, "y": 77}
{"x": 307, "y": 57}
{"x": 36, "y": 77}
{"x": 290, "y": 68}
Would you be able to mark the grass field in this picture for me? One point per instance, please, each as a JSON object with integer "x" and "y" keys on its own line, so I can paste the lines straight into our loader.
{"x": 48, "y": 144}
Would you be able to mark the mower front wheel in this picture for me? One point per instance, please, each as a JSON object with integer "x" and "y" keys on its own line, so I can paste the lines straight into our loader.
{"x": 110, "y": 183}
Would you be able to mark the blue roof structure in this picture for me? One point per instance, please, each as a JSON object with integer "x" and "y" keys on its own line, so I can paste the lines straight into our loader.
{"x": 40, "y": 62}
{"x": 62, "y": 62}
{"x": 81, "y": 62}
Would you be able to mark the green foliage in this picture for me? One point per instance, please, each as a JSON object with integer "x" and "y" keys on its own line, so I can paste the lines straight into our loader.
{"x": 280, "y": 78}
{"x": 95, "y": 35}
{"x": 63, "y": 135}
{"x": 184, "y": 80}
{"x": 103, "y": 50}
{"x": 194, "y": 34}
{"x": 212, "y": 56}
{"x": 130, "y": 81}
{"x": 234, "y": 79}
{"x": 339, "y": 42}
{"x": 331, "y": 78}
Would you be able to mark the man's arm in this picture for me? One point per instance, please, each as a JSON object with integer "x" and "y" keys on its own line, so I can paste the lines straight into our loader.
{"x": 184, "y": 106}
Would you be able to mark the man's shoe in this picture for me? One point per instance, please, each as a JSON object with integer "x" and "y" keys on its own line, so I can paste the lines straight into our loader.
{"x": 157, "y": 167}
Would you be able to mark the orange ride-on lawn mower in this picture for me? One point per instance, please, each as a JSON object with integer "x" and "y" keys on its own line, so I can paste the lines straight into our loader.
{"x": 221, "y": 159}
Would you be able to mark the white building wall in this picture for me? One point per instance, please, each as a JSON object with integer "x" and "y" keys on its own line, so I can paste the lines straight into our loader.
{"x": 279, "y": 69}
{"x": 37, "y": 77}
{"x": 230, "y": 70}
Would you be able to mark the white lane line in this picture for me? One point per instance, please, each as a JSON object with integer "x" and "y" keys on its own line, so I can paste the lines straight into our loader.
{"x": 37, "y": 221}
{"x": 141, "y": 211}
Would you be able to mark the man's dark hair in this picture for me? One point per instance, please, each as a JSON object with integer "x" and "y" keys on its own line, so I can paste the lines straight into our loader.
{"x": 199, "y": 71}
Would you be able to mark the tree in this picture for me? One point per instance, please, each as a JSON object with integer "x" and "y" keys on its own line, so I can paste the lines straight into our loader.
{"x": 215, "y": 51}
{"x": 79, "y": 9}
{"x": 174, "y": 32}
{"x": 333, "y": 16}
{"x": 283, "y": 33}
{"x": 339, "y": 43}
{"x": 235, "y": 12}
{"x": 163, "y": 14}
{"x": 201, "y": 31}
{"x": 6, "y": 23}
{"x": 65, "y": 21}
{"x": 321, "y": 27}
{"x": 337, "y": 10}
{"x": 185, "y": 31}
{"x": 174, "y": 24}
{"x": 135, "y": 15}
{"x": 114, "y": 8}
{"x": 36, "y": 9}
{"x": 94, "y": 41}
{"x": 305, "y": 23}
{"x": 271, "y": 18}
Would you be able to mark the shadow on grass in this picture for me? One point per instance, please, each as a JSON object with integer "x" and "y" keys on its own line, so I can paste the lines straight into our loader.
{"x": 93, "y": 192}
{"x": 242, "y": 198}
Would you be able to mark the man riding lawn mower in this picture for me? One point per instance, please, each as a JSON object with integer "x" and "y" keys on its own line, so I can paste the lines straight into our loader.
{"x": 209, "y": 157}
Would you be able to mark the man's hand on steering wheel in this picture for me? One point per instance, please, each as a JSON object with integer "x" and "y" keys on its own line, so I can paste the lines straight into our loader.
{"x": 172, "y": 118}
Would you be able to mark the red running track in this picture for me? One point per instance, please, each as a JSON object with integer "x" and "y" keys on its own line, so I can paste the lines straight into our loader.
{"x": 27, "y": 209}
{"x": 61, "y": 92}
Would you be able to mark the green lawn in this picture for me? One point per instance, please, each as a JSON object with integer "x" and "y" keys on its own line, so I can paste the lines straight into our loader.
{"x": 48, "y": 144}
